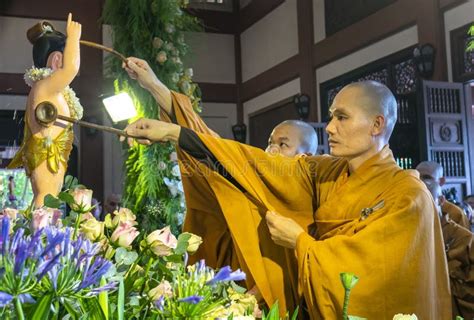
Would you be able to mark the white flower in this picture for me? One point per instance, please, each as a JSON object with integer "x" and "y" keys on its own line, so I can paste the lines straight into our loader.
{"x": 189, "y": 72}
{"x": 401, "y": 316}
{"x": 162, "y": 165}
{"x": 175, "y": 171}
{"x": 34, "y": 74}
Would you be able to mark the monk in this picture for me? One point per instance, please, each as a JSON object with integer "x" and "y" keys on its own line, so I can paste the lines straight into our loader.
{"x": 45, "y": 150}
{"x": 372, "y": 218}
{"x": 432, "y": 172}
{"x": 459, "y": 246}
{"x": 204, "y": 215}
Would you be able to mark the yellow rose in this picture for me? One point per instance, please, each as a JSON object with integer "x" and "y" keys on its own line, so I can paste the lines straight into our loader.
{"x": 92, "y": 229}
{"x": 163, "y": 289}
{"x": 162, "y": 242}
{"x": 124, "y": 215}
{"x": 193, "y": 243}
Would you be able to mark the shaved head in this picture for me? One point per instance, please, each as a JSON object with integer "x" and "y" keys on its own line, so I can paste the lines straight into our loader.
{"x": 293, "y": 137}
{"x": 376, "y": 99}
{"x": 309, "y": 138}
{"x": 430, "y": 169}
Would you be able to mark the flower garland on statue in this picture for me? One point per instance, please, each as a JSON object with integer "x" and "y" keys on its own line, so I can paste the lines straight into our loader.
{"x": 34, "y": 74}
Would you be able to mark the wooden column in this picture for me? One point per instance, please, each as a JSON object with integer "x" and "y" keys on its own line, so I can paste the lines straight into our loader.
{"x": 430, "y": 21}
{"x": 305, "y": 45}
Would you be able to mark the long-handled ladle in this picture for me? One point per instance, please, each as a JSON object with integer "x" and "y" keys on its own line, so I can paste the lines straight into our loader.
{"x": 46, "y": 114}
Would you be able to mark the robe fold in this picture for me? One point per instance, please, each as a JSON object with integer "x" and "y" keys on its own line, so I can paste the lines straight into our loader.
{"x": 203, "y": 214}
{"x": 379, "y": 223}
{"x": 230, "y": 223}
{"x": 459, "y": 245}
{"x": 456, "y": 214}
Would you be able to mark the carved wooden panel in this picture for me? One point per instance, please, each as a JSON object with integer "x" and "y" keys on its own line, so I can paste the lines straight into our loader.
{"x": 446, "y": 137}
{"x": 446, "y": 132}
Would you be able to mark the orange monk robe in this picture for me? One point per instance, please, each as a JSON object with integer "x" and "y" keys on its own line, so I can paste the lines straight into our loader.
{"x": 459, "y": 244}
{"x": 230, "y": 224}
{"x": 203, "y": 215}
{"x": 397, "y": 251}
{"x": 456, "y": 214}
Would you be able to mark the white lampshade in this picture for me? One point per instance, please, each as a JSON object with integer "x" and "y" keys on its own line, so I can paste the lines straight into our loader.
{"x": 120, "y": 107}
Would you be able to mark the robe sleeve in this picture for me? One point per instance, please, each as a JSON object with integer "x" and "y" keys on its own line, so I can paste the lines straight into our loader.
{"x": 277, "y": 183}
{"x": 383, "y": 252}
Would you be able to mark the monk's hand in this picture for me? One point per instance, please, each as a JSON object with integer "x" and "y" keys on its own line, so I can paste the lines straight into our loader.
{"x": 73, "y": 28}
{"x": 284, "y": 231}
{"x": 141, "y": 71}
{"x": 147, "y": 131}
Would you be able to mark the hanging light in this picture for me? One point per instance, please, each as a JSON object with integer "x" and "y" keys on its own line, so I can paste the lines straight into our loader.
{"x": 424, "y": 56}
{"x": 120, "y": 107}
{"x": 302, "y": 103}
{"x": 240, "y": 132}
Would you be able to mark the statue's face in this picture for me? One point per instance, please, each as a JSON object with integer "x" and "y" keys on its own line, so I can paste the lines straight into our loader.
{"x": 285, "y": 140}
{"x": 350, "y": 129}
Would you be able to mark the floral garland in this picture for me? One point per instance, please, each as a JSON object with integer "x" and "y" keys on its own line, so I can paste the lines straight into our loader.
{"x": 34, "y": 74}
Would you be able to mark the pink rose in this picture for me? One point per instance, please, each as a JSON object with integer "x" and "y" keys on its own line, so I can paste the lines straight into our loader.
{"x": 82, "y": 199}
{"x": 86, "y": 216}
{"x": 163, "y": 289}
{"x": 124, "y": 234}
{"x": 10, "y": 213}
{"x": 162, "y": 242}
{"x": 44, "y": 217}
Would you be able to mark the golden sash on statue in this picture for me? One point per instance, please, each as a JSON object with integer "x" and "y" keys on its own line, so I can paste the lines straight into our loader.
{"x": 34, "y": 150}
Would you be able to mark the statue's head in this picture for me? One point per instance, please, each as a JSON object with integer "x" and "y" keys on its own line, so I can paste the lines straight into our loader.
{"x": 48, "y": 45}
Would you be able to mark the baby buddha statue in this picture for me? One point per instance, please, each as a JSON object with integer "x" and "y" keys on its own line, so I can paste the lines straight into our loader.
{"x": 45, "y": 148}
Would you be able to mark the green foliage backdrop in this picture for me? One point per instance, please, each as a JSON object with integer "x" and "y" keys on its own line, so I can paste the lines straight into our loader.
{"x": 152, "y": 30}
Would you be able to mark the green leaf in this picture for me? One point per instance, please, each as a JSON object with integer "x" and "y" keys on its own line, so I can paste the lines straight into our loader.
{"x": 182, "y": 243}
{"x": 70, "y": 182}
{"x": 43, "y": 308}
{"x": 104, "y": 299}
{"x": 120, "y": 254}
{"x": 295, "y": 314}
{"x": 237, "y": 288}
{"x": 121, "y": 301}
{"x": 66, "y": 197}
{"x": 356, "y": 318}
{"x": 130, "y": 257}
{"x": 71, "y": 310}
{"x": 51, "y": 202}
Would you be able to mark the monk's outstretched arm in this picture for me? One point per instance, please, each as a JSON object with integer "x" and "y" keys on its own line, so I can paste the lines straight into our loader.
{"x": 175, "y": 107}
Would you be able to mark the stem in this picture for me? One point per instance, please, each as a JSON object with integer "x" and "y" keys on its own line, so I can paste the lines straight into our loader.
{"x": 76, "y": 226}
{"x": 148, "y": 266}
{"x": 19, "y": 309}
{"x": 346, "y": 304}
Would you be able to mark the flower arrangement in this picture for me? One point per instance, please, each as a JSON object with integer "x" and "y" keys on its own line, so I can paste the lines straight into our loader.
{"x": 154, "y": 31}
{"x": 58, "y": 266}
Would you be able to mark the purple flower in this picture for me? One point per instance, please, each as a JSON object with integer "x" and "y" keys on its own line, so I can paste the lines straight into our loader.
{"x": 20, "y": 257}
{"x": 48, "y": 265}
{"x": 26, "y": 298}
{"x": 191, "y": 299}
{"x": 226, "y": 274}
{"x": 160, "y": 303}
{"x": 5, "y": 233}
{"x": 93, "y": 274}
{"x": 5, "y": 298}
{"x": 107, "y": 287}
